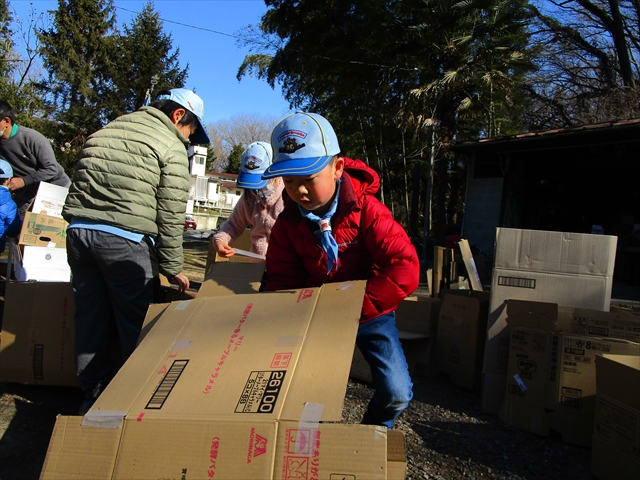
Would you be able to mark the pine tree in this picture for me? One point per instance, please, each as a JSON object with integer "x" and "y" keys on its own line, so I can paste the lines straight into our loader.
{"x": 145, "y": 54}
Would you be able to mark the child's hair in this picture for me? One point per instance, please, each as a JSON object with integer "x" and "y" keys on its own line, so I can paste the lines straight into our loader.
{"x": 169, "y": 106}
{"x": 7, "y": 111}
{"x": 257, "y": 194}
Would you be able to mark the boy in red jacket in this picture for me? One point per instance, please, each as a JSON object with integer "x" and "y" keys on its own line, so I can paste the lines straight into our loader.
{"x": 334, "y": 229}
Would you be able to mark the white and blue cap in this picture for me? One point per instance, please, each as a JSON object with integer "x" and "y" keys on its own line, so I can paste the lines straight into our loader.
{"x": 303, "y": 144}
{"x": 6, "y": 170}
{"x": 192, "y": 102}
{"x": 255, "y": 160}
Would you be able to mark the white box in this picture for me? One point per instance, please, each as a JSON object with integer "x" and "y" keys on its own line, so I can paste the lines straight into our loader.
{"x": 44, "y": 264}
{"x": 50, "y": 200}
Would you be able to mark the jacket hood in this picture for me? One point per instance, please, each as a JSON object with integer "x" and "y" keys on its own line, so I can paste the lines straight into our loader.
{"x": 364, "y": 179}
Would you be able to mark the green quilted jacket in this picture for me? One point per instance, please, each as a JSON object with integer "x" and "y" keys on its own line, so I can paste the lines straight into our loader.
{"x": 134, "y": 174}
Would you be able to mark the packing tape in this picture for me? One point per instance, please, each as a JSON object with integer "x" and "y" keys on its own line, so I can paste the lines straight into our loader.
{"x": 103, "y": 418}
{"x": 181, "y": 344}
{"x": 183, "y": 304}
{"x": 520, "y": 383}
{"x": 346, "y": 285}
{"x": 308, "y": 426}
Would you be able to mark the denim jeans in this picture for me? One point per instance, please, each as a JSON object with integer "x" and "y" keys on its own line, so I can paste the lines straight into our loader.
{"x": 114, "y": 280}
{"x": 379, "y": 343}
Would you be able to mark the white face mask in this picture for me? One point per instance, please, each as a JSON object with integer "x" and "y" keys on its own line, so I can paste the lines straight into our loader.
{"x": 2, "y": 131}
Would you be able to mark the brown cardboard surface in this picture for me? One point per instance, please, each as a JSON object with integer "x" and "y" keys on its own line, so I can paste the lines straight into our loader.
{"x": 396, "y": 455}
{"x": 80, "y": 453}
{"x": 216, "y": 388}
{"x": 243, "y": 242}
{"x": 461, "y": 335}
{"x": 43, "y": 231}
{"x": 557, "y": 267}
{"x": 616, "y": 433}
{"x": 230, "y": 278}
{"x": 38, "y": 334}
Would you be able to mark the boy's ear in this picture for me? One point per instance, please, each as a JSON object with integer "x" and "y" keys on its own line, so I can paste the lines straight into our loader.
{"x": 177, "y": 115}
{"x": 338, "y": 168}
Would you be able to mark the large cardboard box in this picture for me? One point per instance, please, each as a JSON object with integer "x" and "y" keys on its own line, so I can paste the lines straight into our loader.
{"x": 566, "y": 268}
{"x": 616, "y": 433}
{"x": 551, "y": 381}
{"x": 37, "y": 342}
{"x": 462, "y": 327}
{"x": 237, "y": 387}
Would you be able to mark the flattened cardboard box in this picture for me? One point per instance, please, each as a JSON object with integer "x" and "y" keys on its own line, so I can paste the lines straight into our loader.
{"x": 219, "y": 385}
{"x": 616, "y": 433}
{"x": 37, "y": 339}
{"x": 567, "y": 268}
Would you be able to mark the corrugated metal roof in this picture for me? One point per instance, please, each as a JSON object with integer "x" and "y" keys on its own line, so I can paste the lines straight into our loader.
{"x": 556, "y": 132}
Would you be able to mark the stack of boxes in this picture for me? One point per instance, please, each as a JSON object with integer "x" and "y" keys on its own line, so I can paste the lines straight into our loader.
{"x": 37, "y": 338}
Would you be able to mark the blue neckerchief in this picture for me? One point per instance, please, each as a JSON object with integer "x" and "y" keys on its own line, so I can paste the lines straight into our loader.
{"x": 327, "y": 241}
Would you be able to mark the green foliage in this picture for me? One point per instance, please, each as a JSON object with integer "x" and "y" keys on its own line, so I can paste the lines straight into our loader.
{"x": 144, "y": 51}
{"x": 234, "y": 159}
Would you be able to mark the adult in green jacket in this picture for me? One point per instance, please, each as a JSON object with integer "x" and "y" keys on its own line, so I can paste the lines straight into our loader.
{"x": 125, "y": 209}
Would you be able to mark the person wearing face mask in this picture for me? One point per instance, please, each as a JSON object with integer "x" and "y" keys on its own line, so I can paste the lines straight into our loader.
{"x": 259, "y": 206}
{"x": 31, "y": 156}
{"x": 125, "y": 209}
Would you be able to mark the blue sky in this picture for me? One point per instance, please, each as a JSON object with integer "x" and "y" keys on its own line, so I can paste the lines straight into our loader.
{"x": 213, "y": 58}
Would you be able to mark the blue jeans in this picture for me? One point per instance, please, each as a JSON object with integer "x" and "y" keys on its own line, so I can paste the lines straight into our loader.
{"x": 114, "y": 280}
{"x": 379, "y": 343}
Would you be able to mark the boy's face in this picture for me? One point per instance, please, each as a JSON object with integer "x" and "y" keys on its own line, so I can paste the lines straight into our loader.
{"x": 315, "y": 192}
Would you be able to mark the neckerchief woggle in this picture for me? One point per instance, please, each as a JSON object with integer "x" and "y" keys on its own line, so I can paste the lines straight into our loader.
{"x": 327, "y": 241}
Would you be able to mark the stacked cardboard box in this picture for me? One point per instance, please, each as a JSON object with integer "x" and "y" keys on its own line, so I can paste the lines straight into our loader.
{"x": 239, "y": 386}
{"x": 37, "y": 338}
{"x": 566, "y": 268}
{"x": 551, "y": 380}
{"x": 41, "y": 252}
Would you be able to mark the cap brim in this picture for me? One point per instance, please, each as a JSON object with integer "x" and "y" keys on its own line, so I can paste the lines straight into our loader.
{"x": 200, "y": 137}
{"x": 251, "y": 181}
{"x": 297, "y": 167}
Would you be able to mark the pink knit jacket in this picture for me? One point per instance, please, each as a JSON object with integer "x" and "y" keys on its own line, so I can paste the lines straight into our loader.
{"x": 261, "y": 218}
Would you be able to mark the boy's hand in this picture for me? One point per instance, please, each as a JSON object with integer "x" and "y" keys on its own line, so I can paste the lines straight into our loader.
{"x": 180, "y": 280}
{"x": 223, "y": 249}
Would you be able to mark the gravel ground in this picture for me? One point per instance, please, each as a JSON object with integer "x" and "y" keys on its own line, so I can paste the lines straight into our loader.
{"x": 447, "y": 437}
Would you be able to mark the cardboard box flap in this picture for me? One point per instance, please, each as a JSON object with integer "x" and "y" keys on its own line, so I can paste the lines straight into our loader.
{"x": 228, "y": 278}
{"x": 242, "y": 356}
{"x": 326, "y": 349}
{"x": 555, "y": 252}
{"x": 541, "y": 315}
{"x": 82, "y": 453}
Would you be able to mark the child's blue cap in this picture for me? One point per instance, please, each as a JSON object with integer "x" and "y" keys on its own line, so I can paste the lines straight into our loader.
{"x": 6, "y": 171}
{"x": 255, "y": 160}
{"x": 192, "y": 102}
{"x": 303, "y": 144}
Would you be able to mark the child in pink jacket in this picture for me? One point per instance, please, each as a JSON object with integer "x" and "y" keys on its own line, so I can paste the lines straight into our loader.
{"x": 258, "y": 207}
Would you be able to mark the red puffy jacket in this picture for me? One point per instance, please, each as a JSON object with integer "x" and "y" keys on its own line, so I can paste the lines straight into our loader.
{"x": 372, "y": 246}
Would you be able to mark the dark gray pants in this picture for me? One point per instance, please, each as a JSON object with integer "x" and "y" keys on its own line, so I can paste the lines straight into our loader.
{"x": 114, "y": 280}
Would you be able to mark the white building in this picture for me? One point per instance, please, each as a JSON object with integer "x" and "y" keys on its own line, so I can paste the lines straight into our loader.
{"x": 210, "y": 189}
